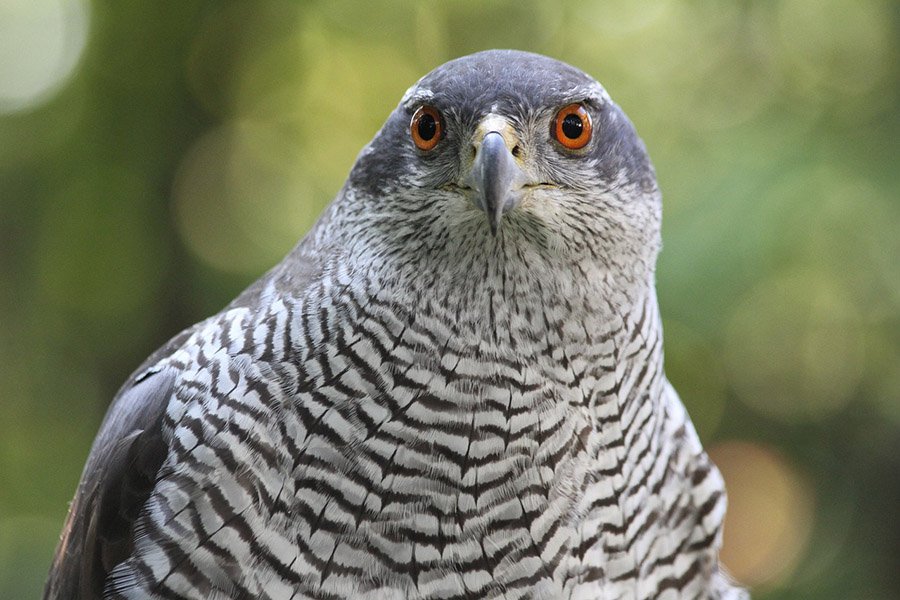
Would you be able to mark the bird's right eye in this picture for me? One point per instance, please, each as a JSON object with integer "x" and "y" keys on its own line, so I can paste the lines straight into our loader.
{"x": 426, "y": 128}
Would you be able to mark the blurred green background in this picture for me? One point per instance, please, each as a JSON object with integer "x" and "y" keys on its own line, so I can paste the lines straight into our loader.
{"x": 156, "y": 157}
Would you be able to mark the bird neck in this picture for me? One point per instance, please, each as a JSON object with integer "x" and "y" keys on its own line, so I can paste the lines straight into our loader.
{"x": 517, "y": 299}
{"x": 503, "y": 304}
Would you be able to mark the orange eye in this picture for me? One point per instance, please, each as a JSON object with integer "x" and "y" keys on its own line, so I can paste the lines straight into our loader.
{"x": 572, "y": 127}
{"x": 426, "y": 128}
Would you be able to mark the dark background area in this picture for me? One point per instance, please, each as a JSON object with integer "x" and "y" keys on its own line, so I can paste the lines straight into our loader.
{"x": 156, "y": 157}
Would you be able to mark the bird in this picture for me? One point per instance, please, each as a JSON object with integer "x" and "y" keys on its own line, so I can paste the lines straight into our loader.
{"x": 452, "y": 387}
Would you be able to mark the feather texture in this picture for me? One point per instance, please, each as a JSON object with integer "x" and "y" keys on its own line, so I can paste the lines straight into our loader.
{"x": 412, "y": 407}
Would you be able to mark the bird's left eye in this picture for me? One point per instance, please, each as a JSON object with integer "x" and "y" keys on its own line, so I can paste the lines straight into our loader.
{"x": 572, "y": 127}
{"x": 426, "y": 128}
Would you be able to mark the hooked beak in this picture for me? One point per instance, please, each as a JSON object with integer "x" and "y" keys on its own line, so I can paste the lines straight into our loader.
{"x": 496, "y": 179}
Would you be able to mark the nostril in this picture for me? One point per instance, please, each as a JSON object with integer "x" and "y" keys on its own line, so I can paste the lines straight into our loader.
{"x": 474, "y": 152}
{"x": 516, "y": 151}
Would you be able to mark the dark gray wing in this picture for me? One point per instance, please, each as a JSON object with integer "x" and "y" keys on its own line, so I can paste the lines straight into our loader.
{"x": 118, "y": 478}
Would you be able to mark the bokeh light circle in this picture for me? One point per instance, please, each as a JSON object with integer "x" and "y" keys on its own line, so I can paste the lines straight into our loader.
{"x": 243, "y": 197}
{"x": 794, "y": 347}
{"x": 833, "y": 45}
{"x": 40, "y": 46}
{"x": 770, "y": 513}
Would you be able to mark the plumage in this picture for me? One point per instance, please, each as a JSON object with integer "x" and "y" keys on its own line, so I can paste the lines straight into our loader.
{"x": 423, "y": 401}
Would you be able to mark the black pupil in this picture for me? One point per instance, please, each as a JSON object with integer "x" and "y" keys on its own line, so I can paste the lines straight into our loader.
{"x": 427, "y": 127}
{"x": 572, "y": 126}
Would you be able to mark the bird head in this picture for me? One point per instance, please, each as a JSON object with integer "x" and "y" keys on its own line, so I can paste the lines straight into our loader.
{"x": 507, "y": 149}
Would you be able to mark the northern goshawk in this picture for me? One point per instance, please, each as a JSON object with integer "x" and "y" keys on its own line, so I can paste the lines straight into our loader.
{"x": 451, "y": 388}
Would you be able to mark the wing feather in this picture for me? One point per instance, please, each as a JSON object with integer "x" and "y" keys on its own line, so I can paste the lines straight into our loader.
{"x": 118, "y": 478}
{"x": 129, "y": 450}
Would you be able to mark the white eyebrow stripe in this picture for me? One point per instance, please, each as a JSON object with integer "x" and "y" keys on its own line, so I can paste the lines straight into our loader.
{"x": 416, "y": 96}
{"x": 591, "y": 91}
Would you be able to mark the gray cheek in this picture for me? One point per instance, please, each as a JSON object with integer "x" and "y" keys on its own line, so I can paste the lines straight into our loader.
{"x": 570, "y": 170}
